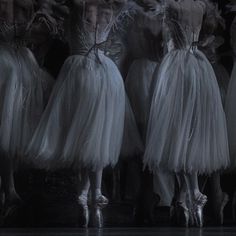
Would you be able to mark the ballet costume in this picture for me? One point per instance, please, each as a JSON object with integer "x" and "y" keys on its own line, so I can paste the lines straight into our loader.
{"x": 25, "y": 89}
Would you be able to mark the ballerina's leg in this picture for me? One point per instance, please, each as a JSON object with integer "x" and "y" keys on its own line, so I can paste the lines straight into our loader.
{"x": 98, "y": 200}
{"x": 83, "y": 191}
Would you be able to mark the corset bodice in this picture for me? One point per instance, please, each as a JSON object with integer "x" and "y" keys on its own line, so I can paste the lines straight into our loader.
{"x": 14, "y": 18}
{"x": 83, "y": 35}
{"x": 182, "y": 24}
{"x": 13, "y": 33}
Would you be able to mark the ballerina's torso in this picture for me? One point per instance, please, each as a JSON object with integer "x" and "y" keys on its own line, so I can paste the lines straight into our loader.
{"x": 14, "y": 17}
{"x": 139, "y": 34}
{"x": 183, "y": 21}
{"x": 90, "y": 28}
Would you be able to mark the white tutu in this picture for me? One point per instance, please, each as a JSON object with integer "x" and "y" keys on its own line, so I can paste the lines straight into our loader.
{"x": 138, "y": 87}
{"x": 84, "y": 120}
{"x": 187, "y": 127}
{"x": 230, "y": 109}
{"x": 22, "y": 86}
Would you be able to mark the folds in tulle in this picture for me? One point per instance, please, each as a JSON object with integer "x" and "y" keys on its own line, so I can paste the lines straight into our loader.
{"x": 84, "y": 120}
{"x": 187, "y": 126}
{"x": 22, "y": 87}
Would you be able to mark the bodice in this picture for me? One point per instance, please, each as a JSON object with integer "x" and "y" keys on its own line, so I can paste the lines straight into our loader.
{"x": 141, "y": 35}
{"x": 14, "y": 18}
{"x": 83, "y": 37}
{"x": 182, "y": 23}
{"x": 13, "y": 33}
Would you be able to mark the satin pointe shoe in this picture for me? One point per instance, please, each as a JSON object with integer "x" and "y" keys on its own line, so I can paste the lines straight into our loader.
{"x": 83, "y": 203}
{"x": 199, "y": 204}
{"x": 96, "y": 210}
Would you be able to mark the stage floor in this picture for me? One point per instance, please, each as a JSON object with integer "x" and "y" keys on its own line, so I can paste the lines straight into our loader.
{"x": 217, "y": 231}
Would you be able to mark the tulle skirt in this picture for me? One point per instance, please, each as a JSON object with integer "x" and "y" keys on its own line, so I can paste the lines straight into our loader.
{"x": 187, "y": 127}
{"x": 230, "y": 109}
{"x": 23, "y": 88}
{"x": 83, "y": 123}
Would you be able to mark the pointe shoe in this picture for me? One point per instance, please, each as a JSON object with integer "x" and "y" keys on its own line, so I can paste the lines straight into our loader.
{"x": 182, "y": 214}
{"x": 219, "y": 208}
{"x": 199, "y": 204}
{"x": 83, "y": 202}
{"x": 191, "y": 217}
{"x": 97, "y": 217}
{"x": 179, "y": 214}
{"x": 191, "y": 212}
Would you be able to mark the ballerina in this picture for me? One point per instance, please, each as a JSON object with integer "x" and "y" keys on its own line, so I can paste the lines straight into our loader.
{"x": 22, "y": 88}
{"x": 187, "y": 129}
{"x": 83, "y": 124}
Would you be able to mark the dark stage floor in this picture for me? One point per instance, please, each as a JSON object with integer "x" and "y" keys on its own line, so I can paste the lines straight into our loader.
{"x": 122, "y": 232}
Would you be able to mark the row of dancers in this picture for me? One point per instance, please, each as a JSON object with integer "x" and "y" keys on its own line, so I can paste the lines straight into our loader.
{"x": 170, "y": 109}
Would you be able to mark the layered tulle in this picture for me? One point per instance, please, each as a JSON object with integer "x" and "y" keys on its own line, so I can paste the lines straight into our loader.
{"x": 187, "y": 126}
{"x": 84, "y": 120}
{"x": 230, "y": 110}
{"x": 23, "y": 88}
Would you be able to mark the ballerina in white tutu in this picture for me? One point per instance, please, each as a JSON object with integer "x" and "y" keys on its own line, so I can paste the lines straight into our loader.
{"x": 83, "y": 124}
{"x": 187, "y": 129}
{"x": 22, "y": 87}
